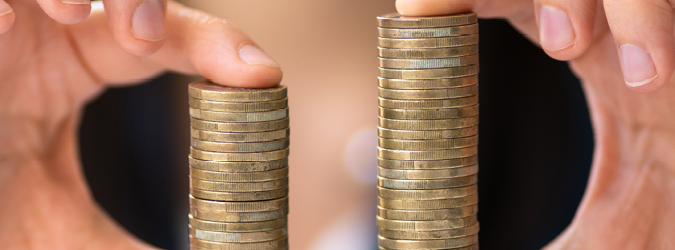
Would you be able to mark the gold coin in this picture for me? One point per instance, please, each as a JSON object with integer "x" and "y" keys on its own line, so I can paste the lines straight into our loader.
{"x": 429, "y": 73}
{"x": 434, "y": 194}
{"x": 426, "y": 215}
{"x": 420, "y": 43}
{"x": 428, "y": 204}
{"x": 442, "y": 164}
{"x": 429, "y": 104}
{"x": 238, "y": 166}
{"x": 238, "y": 106}
{"x": 426, "y": 154}
{"x": 430, "y": 235}
{"x": 472, "y": 247}
{"x": 240, "y": 137}
{"x": 260, "y": 156}
{"x": 428, "y": 63}
{"x": 428, "y": 32}
{"x": 281, "y": 248}
{"x": 239, "y": 147}
{"x": 416, "y": 94}
{"x": 425, "y": 125}
{"x": 435, "y": 144}
{"x": 442, "y": 83}
{"x": 427, "y": 184}
{"x": 238, "y": 196}
{"x": 427, "y": 174}
{"x": 239, "y": 117}
{"x": 244, "y": 127}
{"x": 396, "y": 20}
{"x": 426, "y": 134}
{"x": 429, "y": 114}
{"x": 427, "y": 53}
{"x": 263, "y": 245}
{"x": 238, "y": 187}
{"x": 237, "y": 237}
{"x": 217, "y": 220}
{"x": 207, "y": 90}
{"x": 403, "y": 225}
{"x": 238, "y": 206}
{"x": 266, "y": 225}
{"x": 428, "y": 244}
{"x": 239, "y": 177}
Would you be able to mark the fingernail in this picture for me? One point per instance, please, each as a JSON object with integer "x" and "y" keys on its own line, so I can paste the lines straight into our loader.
{"x": 253, "y": 55}
{"x": 5, "y": 9}
{"x": 555, "y": 29}
{"x": 637, "y": 65}
{"x": 76, "y": 1}
{"x": 148, "y": 22}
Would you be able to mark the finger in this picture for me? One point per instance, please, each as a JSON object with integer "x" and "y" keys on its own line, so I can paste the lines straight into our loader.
{"x": 643, "y": 32}
{"x": 196, "y": 43}
{"x": 7, "y": 16}
{"x": 138, "y": 25}
{"x": 565, "y": 26}
{"x": 66, "y": 11}
{"x": 484, "y": 8}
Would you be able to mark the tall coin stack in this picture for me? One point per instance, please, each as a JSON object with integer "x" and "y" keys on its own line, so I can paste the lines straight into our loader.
{"x": 428, "y": 132}
{"x": 238, "y": 167}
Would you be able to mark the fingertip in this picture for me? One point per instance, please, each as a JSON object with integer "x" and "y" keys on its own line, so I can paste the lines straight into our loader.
{"x": 66, "y": 11}
{"x": 565, "y": 30}
{"x": 432, "y": 7}
{"x": 139, "y": 25}
{"x": 243, "y": 76}
{"x": 7, "y": 17}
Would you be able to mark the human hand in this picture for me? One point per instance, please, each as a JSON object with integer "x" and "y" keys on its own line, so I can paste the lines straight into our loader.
{"x": 48, "y": 71}
{"x": 619, "y": 49}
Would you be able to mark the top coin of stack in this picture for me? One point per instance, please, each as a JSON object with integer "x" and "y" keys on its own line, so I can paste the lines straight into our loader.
{"x": 428, "y": 132}
{"x": 238, "y": 167}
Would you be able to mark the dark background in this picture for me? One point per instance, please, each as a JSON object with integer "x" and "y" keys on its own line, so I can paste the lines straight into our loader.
{"x": 535, "y": 148}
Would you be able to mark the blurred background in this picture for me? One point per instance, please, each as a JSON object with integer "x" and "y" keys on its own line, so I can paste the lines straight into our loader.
{"x": 535, "y": 136}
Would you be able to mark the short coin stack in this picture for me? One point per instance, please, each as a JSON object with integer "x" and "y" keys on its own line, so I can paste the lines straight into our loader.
{"x": 238, "y": 167}
{"x": 428, "y": 132}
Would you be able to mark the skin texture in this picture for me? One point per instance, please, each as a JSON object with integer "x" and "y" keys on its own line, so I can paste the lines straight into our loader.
{"x": 630, "y": 200}
{"x": 49, "y": 70}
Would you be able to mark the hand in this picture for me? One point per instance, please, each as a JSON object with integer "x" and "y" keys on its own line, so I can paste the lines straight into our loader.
{"x": 49, "y": 70}
{"x": 617, "y": 48}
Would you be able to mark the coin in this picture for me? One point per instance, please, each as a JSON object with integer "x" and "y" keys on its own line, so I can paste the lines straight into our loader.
{"x": 472, "y": 247}
{"x": 427, "y": 134}
{"x": 439, "y": 164}
{"x": 234, "y": 206}
{"x": 240, "y": 137}
{"x": 429, "y": 114}
{"x": 428, "y": 63}
{"x": 439, "y": 83}
{"x": 429, "y": 104}
{"x": 239, "y": 126}
{"x": 238, "y": 187}
{"x": 239, "y": 147}
{"x": 427, "y": 174}
{"x": 241, "y": 166}
{"x": 239, "y": 117}
{"x": 428, "y": 32}
{"x": 427, "y": 184}
{"x": 415, "y": 43}
{"x": 258, "y": 156}
{"x": 432, "y": 225}
{"x": 237, "y": 237}
{"x": 428, "y": 94}
{"x": 427, "y": 215}
{"x": 234, "y": 217}
{"x": 434, "y": 194}
{"x": 238, "y": 196}
{"x": 427, "y": 53}
{"x": 427, "y": 154}
{"x": 262, "y": 245}
{"x": 206, "y": 90}
{"x": 428, "y": 244}
{"x": 239, "y": 177}
{"x": 442, "y": 124}
{"x": 238, "y": 106}
{"x": 396, "y": 20}
{"x": 431, "y": 144}
{"x": 428, "y": 204}
{"x": 429, "y": 73}
{"x": 266, "y": 225}
{"x": 430, "y": 235}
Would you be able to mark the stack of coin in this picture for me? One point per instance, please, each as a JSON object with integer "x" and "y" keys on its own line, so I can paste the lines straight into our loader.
{"x": 428, "y": 132}
{"x": 238, "y": 167}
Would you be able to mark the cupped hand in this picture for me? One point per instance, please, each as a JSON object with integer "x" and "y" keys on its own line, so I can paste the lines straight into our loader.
{"x": 54, "y": 57}
{"x": 624, "y": 53}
